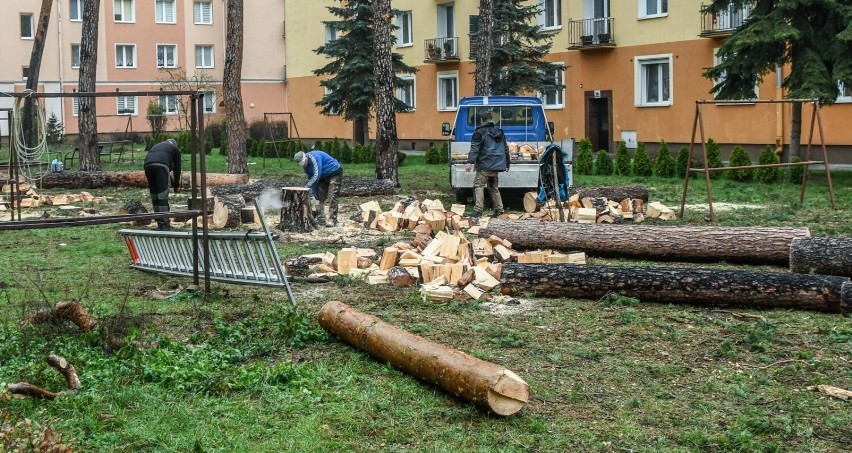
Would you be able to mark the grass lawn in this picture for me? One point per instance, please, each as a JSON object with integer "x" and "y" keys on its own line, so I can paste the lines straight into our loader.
{"x": 244, "y": 372}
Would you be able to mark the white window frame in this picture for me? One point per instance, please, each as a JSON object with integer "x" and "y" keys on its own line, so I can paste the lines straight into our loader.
{"x": 161, "y": 10}
{"x": 550, "y": 14}
{"x": 122, "y": 47}
{"x": 660, "y": 5}
{"x": 75, "y": 55}
{"x": 840, "y": 97}
{"x": 716, "y": 61}
{"x": 639, "y": 75}
{"x": 75, "y": 10}
{"x": 165, "y": 62}
{"x": 170, "y": 104}
{"x": 451, "y": 77}
{"x": 558, "y": 93}
{"x": 326, "y": 91}
{"x": 32, "y": 26}
{"x": 202, "y": 64}
{"x": 122, "y": 101}
{"x": 330, "y": 33}
{"x": 412, "y": 89}
{"x": 198, "y": 10}
{"x": 209, "y": 102}
{"x": 75, "y": 106}
{"x": 118, "y": 8}
{"x": 403, "y": 20}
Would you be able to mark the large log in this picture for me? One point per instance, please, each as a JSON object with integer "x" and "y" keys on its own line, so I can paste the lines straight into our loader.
{"x": 296, "y": 214}
{"x": 486, "y": 384}
{"x": 227, "y": 211}
{"x": 132, "y": 178}
{"x": 714, "y": 287}
{"x": 678, "y": 243}
{"x": 348, "y": 188}
{"x": 616, "y": 193}
{"x": 823, "y": 255}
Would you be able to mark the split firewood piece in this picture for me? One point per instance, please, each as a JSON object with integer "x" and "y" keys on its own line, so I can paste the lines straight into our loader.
{"x": 389, "y": 257}
{"x": 399, "y": 276}
{"x": 66, "y": 369}
{"x": 74, "y": 312}
{"x": 483, "y": 383}
{"x": 835, "y": 392}
{"x": 347, "y": 259}
{"x": 27, "y": 389}
{"x": 530, "y": 202}
{"x": 227, "y": 211}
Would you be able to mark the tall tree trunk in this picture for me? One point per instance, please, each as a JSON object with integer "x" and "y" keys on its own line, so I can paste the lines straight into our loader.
{"x": 387, "y": 143}
{"x": 796, "y": 130}
{"x": 232, "y": 90}
{"x": 360, "y": 131}
{"x": 33, "y": 71}
{"x": 90, "y": 158}
{"x": 482, "y": 74}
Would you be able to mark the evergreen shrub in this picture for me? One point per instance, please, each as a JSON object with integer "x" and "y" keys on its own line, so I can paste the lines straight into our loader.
{"x": 767, "y": 175}
{"x": 622, "y": 160}
{"x": 603, "y": 164}
{"x": 642, "y": 165}
{"x": 664, "y": 165}
{"x": 740, "y": 158}
{"x": 584, "y": 160}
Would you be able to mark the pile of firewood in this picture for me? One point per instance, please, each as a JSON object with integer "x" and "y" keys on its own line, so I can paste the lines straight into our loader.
{"x": 29, "y": 198}
{"x": 604, "y": 210}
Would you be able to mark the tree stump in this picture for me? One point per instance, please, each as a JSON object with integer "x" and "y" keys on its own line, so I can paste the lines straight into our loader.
{"x": 296, "y": 214}
{"x": 713, "y": 287}
{"x": 135, "y": 207}
{"x": 486, "y": 384}
{"x": 829, "y": 256}
{"x": 227, "y": 211}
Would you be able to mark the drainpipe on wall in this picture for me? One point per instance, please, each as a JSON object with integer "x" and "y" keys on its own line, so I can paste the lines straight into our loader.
{"x": 779, "y": 114}
{"x": 61, "y": 61}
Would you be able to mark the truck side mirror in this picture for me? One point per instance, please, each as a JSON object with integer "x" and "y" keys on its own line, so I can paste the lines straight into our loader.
{"x": 551, "y": 127}
{"x": 445, "y": 129}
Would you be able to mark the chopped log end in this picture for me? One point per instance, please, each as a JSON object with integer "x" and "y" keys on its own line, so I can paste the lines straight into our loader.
{"x": 509, "y": 395}
{"x": 66, "y": 369}
{"x": 74, "y": 312}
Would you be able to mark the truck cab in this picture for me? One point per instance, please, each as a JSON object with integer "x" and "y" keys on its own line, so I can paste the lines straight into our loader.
{"x": 527, "y": 131}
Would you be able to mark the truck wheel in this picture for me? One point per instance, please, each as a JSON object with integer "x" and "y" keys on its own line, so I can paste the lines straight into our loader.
{"x": 464, "y": 196}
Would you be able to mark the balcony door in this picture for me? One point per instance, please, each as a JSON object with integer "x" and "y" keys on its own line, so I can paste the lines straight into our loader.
{"x": 447, "y": 28}
{"x": 598, "y": 12}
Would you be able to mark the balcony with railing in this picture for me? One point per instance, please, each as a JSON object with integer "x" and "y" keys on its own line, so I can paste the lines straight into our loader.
{"x": 591, "y": 33}
{"x": 439, "y": 50}
{"x": 723, "y": 23}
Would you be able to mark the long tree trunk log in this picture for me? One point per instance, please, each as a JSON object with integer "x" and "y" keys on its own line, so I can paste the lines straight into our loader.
{"x": 616, "y": 193}
{"x": 227, "y": 211}
{"x": 131, "y": 178}
{"x": 486, "y": 384}
{"x": 296, "y": 214}
{"x": 681, "y": 285}
{"x": 348, "y": 188}
{"x": 678, "y": 243}
{"x": 66, "y": 369}
{"x": 829, "y": 256}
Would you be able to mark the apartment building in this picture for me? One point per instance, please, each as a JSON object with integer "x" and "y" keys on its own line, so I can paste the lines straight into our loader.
{"x": 141, "y": 45}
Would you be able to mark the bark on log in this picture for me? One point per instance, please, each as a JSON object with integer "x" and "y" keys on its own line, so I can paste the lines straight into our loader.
{"x": 74, "y": 312}
{"x": 399, "y": 276}
{"x": 483, "y": 383}
{"x": 133, "y": 178}
{"x": 616, "y": 193}
{"x": 66, "y": 369}
{"x": 823, "y": 255}
{"x": 296, "y": 214}
{"x": 681, "y": 285}
{"x": 27, "y": 389}
{"x": 348, "y": 188}
{"x": 227, "y": 211}
{"x": 678, "y": 243}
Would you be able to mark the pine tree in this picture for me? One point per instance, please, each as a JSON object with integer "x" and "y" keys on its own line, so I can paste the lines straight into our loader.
{"x": 767, "y": 175}
{"x": 584, "y": 160}
{"x": 55, "y": 130}
{"x": 664, "y": 165}
{"x": 350, "y": 89}
{"x": 516, "y": 63}
{"x": 739, "y": 158}
{"x": 603, "y": 164}
{"x": 622, "y": 160}
{"x": 642, "y": 162}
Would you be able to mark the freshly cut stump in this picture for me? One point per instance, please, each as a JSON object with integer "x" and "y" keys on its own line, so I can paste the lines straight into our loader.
{"x": 296, "y": 214}
{"x": 483, "y": 383}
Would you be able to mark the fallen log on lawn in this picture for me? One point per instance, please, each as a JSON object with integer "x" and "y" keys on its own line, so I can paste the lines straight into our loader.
{"x": 227, "y": 211}
{"x": 828, "y": 256}
{"x": 65, "y": 369}
{"x": 132, "y": 178}
{"x": 677, "y": 243}
{"x": 484, "y": 383}
{"x": 615, "y": 193}
{"x": 27, "y": 389}
{"x": 348, "y": 188}
{"x": 64, "y": 311}
{"x": 714, "y": 287}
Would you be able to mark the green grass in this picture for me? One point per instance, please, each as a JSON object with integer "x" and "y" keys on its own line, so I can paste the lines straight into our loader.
{"x": 243, "y": 372}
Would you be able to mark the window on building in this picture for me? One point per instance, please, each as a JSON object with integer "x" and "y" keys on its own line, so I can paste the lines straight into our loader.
{"x": 125, "y": 105}
{"x": 203, "y": 56}
{"x": 406, "y": 93}
{"x": 25, "y": 72}
{"x": 76, "y": 12}
{"x": 202, "y": 13}
{"x": 123, "y": 10}
{"x": 550, "y": 13}
{"x": 653, "y": 8}
{"x": 75, "y": 56}
{"x": 448, "y": 90}
{"x": 845, "y": 90}
{"x": 330, "y": 33}
{"x": 125, "y": 55}
{"x": 554, "y": 98}
{"x": 169, "y": 103}
{"x": 27, "y": 28}
{"x": 716, "y": 60}
{"x": 166, "y": 55}
{"x": 653, "y": 80}
{"x": 404, "y": 36}
{"x": 75, "y": 106}
{"x": 209, "y": 102}
{"x": 164, "y": 11}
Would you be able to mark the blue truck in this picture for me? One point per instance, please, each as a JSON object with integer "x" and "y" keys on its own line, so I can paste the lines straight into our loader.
{"x": 527, "y": 130}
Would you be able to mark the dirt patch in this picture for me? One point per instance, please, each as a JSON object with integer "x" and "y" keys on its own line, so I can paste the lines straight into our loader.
{"x": 509, "y": 306}
{"x": 725, "y": 206}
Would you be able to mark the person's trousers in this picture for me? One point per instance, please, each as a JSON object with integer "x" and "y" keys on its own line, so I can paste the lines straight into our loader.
{"x": 483, "y": 179}
{"x": 158, "y": 185}
{"x": 329, "y": 188}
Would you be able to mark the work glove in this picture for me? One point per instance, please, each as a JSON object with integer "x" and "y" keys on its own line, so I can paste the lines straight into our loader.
{"x": 314, "y": 203}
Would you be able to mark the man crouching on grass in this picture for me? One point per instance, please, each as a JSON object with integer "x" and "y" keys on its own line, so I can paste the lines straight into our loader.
{"x": 324, "y": 175}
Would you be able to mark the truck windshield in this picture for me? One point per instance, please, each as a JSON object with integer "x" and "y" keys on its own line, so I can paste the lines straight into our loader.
{"x": 504, "y": 115}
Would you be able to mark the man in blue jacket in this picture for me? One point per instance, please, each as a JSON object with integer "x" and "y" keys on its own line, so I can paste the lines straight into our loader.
{"x": 489, "y": 155}
{"x": 324, "y": 175}
{"x": 162, "y": 158}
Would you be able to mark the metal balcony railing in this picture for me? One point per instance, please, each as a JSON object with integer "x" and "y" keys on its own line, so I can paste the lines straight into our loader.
{"x": 441, "y": 49}
{"x": 725, "y": 22}
{"x": 591, "y": 33}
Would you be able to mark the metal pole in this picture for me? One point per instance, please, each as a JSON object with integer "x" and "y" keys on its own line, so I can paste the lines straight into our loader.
{"x": 193, "y": 186}
{"x": 199, "y": 104}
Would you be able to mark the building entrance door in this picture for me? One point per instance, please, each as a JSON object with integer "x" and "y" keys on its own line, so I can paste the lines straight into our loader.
{"x": 599, "y": 119}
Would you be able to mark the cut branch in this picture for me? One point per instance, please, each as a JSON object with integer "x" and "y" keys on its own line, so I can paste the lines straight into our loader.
{"x": 66, "y": 369}
{"x": 27, "y": 389}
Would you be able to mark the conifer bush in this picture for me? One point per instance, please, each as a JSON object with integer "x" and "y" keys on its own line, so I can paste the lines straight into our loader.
{"x": 664, "y": 165}
{"x": 345, "y": 153}
{"x": 767, "y": 175}
{"x": 434, "y": 156}
{"x": 603, "y": 164}
{"x": 739, "y": 158}
{"x": 622, "y": 160}
{"x": 714, "y": 157}
{"x": 642, "y": 165}
{"x": 797, "y": 173}
{"x": 683, "y": 162}
{"x": 584, "y": 160}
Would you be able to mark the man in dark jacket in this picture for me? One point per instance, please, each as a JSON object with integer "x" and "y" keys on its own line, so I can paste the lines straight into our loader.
{"x": 489, "y": 155}
{"x": 164, "y": 157}
{"x": 324, "y": 176}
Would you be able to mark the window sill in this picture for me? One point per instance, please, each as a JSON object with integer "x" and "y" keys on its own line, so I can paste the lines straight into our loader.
{"x": 204, "y": 67}
{"x": 202, "y": 23}
{"x": 553, "y": 106}
{"x": 27, "y": 39}
{"x": 551, "y": 30}
{"x": 844, "y": 100}
{"x": 657, "y": 104}
{"x": 652, "y": 16}
{"x": 410, "y": 44}
{"x": 125, "y": 22}
{"x": 448, "y": 109}
{"x": 125, "y": 67}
